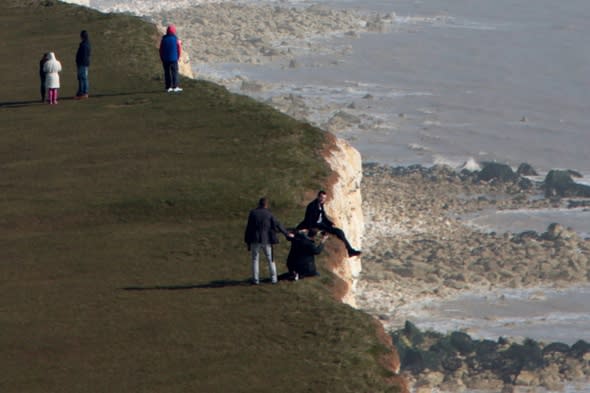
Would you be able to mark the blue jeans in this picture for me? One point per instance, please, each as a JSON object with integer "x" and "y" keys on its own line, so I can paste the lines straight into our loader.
{"x": 267, "y": 251}
{"x": 82, "y": 80}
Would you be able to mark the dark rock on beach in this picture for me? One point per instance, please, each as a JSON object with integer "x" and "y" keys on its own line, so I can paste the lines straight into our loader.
{"x": 560, "y": 183}
{"x": 525, "y": 169}
{"x": 497, "y": 171}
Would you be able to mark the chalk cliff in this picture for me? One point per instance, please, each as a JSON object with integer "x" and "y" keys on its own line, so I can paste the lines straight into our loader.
{"x": 344, "y": 207}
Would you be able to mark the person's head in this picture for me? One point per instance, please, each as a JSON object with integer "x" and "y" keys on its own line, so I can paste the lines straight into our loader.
{"x": 322, "y": 196}
{"x": 84, "y": 35}
{"x": 312, "y": 232}
{"x": 171, "y": 30}
{"x": 263, "y": 202}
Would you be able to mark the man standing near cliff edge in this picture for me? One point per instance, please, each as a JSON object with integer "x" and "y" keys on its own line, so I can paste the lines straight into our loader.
{"x": 82, "y": 65}
{"x": 315, "y": 217}
{"x": 261, "y": 234}
{"x": 170, "y": 51}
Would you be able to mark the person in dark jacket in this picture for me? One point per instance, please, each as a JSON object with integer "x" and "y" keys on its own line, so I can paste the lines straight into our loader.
{"x": 82, "y": 65}
{"x": 261, "y": 233}
{"x": 170, "y": 51}
{"x": 301, "y": 259}
{"x": 315, "y": 217}
{"x": 42, "y": 76}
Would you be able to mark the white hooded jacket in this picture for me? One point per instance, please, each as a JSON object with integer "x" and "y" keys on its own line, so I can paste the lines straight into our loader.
{"x": 52, "y": 68}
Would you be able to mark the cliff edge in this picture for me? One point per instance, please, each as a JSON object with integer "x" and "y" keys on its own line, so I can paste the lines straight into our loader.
{"x": 345, "y": 207}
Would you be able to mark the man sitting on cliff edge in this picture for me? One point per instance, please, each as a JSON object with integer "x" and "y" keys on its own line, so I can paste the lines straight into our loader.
{"x": 315, "y": 217}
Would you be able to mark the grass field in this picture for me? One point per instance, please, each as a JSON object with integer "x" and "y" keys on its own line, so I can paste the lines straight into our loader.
{"x": 122, "y": 262}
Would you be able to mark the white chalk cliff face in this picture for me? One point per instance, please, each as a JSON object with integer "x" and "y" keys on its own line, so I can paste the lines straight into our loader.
{"x": 345, "y": 208}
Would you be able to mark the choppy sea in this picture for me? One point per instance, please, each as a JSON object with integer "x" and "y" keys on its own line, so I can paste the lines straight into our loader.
{"x": 449, "y": 81}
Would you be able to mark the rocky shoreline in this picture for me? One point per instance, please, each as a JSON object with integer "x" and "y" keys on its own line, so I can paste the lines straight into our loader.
{"x": 455, "y": 362}
{"x": 417, "y": 247}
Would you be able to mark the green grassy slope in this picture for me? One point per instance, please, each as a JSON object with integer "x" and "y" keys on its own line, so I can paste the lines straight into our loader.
{"x": 122, "y": 266}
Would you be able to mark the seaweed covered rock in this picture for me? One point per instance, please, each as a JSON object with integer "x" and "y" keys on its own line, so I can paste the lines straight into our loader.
{"x": 560, "y": 183}
{"x": 580, "y": 348}
{"x": 462, "y": 342}
{"x": 487, "y": 364}
{"x": 497, "y": 171}
{"x": 525, "y": 169}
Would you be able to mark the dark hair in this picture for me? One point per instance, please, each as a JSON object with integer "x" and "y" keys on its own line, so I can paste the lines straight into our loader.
{"x": 312, "y": 232}
{"x": 263, "y": 202}
{"x": 84, "y": 34}
{"x": 322, "y": 192}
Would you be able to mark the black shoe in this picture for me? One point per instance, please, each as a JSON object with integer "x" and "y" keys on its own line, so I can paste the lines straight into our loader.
{"x": 354, "y": 253}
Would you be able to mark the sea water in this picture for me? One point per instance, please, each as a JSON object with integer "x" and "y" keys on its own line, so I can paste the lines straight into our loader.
{"x": 452, "y": 80}
{"x": 449, "y": 81}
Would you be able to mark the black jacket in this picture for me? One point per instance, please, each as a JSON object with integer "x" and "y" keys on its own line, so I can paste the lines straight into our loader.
{"x": 262, "y": 227}
{"x": 301, "y": 257}
{"x": 312, "y": 214}
{"x": 83, "y": 53}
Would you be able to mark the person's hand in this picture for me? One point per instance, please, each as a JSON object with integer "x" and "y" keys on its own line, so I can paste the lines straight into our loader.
{"x": 290, "y": 235}
{"x": 325, "y": 237}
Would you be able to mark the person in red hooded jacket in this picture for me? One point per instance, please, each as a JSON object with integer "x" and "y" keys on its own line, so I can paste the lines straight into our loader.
{"x": 170, "y": 51}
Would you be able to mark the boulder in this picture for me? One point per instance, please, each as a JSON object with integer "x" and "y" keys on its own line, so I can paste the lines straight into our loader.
{"x": 525, "y": 169}
{"x": 556, "y": 231}
{"x": 560, "y": 183}
{"x": 462, "y": 342}
{"x": 525, "y": 184}
{"x": 413, "y": 361}
{"x": 497, "y": 171}
{"x": 580, "y": 348}
{"x": 556, "y": 347}
{"x": 413, "y": 334}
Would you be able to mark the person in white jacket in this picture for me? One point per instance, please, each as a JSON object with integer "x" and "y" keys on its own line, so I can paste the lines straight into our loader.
{"x": 52, "y": 69}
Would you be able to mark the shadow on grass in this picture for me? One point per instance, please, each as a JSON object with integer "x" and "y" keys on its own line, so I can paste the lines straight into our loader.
{"x": 212, "y": 284}
{"x": 18, "y": 104}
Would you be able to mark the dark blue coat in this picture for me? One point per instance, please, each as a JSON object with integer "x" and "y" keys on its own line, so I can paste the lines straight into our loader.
{"x": 83, "y": 54}
{"x": 169, "y": 48}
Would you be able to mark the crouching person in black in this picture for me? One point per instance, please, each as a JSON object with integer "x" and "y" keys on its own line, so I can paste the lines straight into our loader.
{"x": 301, "y": 259}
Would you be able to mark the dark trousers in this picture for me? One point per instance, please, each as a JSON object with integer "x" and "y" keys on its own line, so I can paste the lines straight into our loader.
{"x": 339, "y": 233}
{"x": 43, "y": 90}
{"x": 170, "y": 73}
